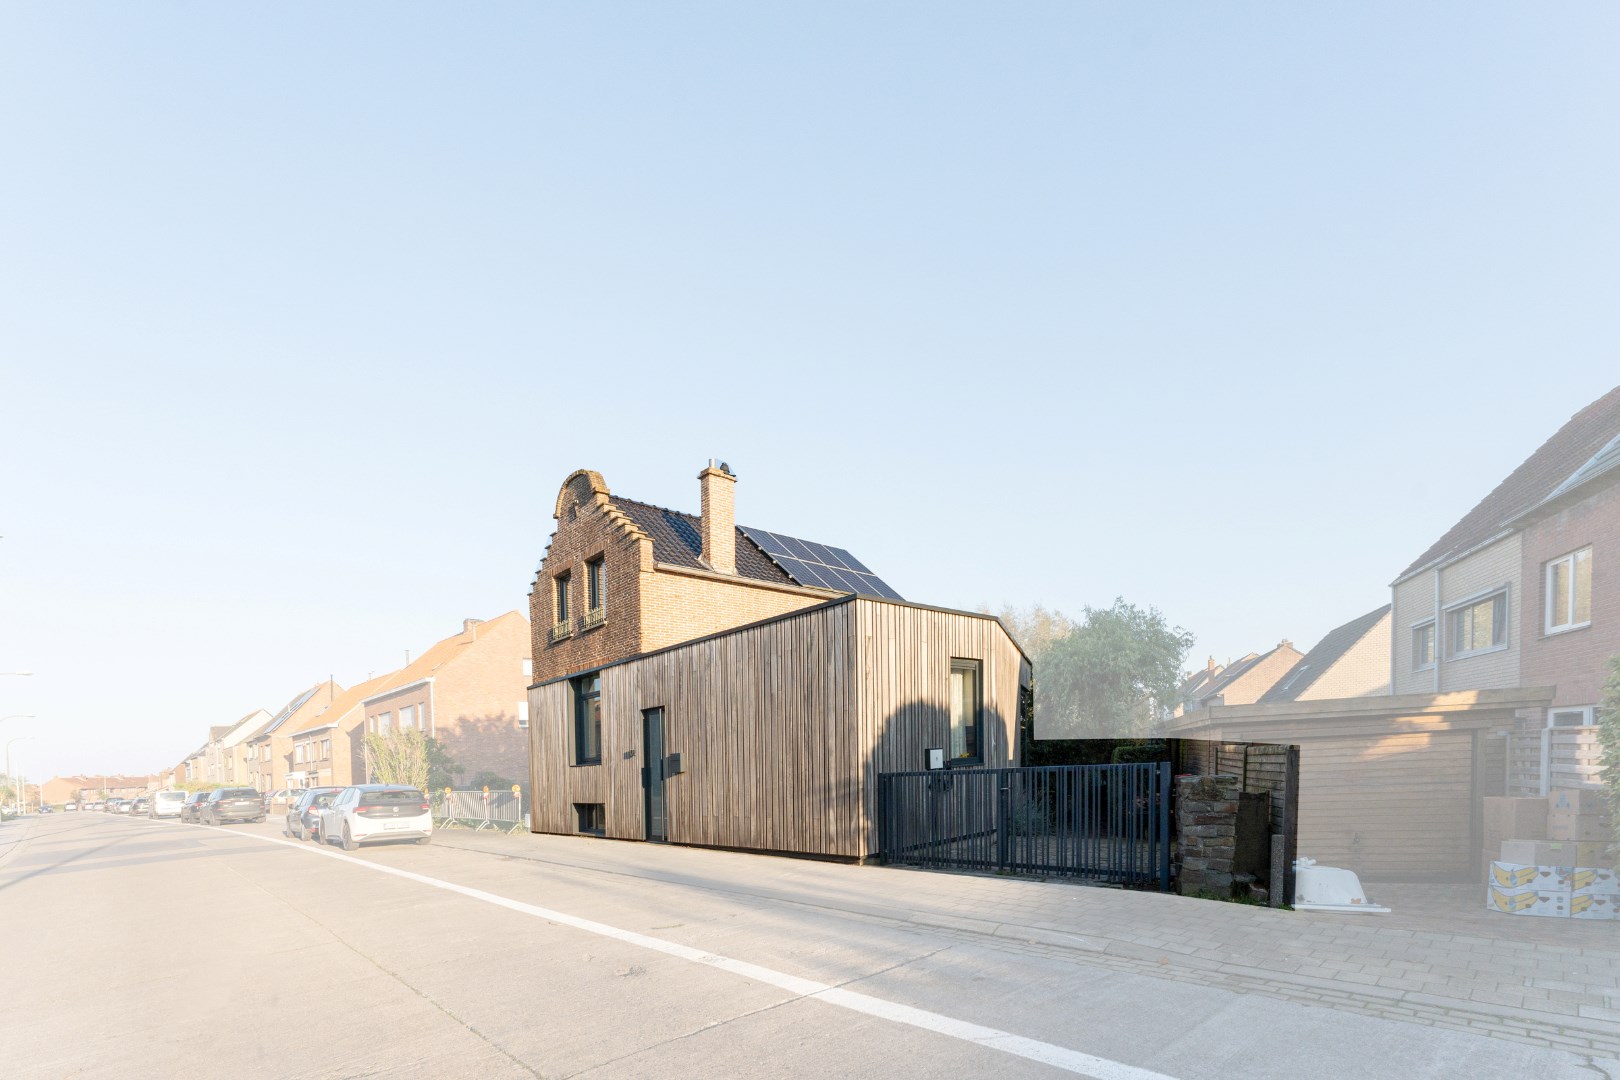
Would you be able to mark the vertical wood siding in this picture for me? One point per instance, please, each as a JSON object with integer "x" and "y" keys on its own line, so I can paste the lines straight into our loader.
{"x": 780, "y": 727}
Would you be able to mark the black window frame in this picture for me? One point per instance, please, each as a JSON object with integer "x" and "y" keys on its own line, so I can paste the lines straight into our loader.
{"x": 590, "y": 819}
{"x": 559, "y": 597}
{"x": 587, "y": 690}
{"x": 595, "y": 583}
{"x": 976, "y": 756}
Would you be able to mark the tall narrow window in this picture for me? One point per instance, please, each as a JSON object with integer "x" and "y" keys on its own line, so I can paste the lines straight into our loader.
{"x": 588, "y": 720}
{"x": 595, "y": 584}
{"x": 560, "y": 591}
{"x": 1423, "y": 646}
{"x": 966, "y": 711}
{"x": 407, "y": 717}
{"x": 1569, "y": 591}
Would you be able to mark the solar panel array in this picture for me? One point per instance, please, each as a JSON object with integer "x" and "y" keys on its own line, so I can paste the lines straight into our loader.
{"x": 820, "y": 566}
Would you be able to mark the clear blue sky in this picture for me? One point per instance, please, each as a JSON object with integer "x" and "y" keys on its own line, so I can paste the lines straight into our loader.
{"x": 306, "y": 310}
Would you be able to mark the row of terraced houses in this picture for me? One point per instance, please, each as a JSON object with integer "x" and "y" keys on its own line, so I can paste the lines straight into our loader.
{"x": 466, "y": 691}
{"x": 1480, "y": 677}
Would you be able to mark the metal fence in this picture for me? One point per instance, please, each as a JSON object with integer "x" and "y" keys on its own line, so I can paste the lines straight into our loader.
{"x": 500, "y": 810}
{"x": 1107, "y": 823}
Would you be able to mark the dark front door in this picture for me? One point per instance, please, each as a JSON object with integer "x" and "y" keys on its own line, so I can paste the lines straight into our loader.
{"x": 652, "y": 774}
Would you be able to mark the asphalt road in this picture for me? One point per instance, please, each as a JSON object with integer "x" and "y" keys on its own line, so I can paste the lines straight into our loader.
{"x": 133, "y": 948}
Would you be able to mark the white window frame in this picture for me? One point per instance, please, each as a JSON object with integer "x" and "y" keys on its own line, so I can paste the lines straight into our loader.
{"x": 1433, "y": 626}
{"x": 1586, "y": 713}
{"x": 1457, "y": 606}
{"x": 1568, "y": 560}
{"x": 523, "y": 714}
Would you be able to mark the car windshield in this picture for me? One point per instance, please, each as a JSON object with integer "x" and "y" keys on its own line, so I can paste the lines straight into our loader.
{"x": 394, "y": 796}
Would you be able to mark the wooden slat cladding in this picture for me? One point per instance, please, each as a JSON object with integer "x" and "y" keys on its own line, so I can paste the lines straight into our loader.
{"x": 905, "y": 656}
{"x": 780, "y": 726}
{"x": 1398, "y": 808}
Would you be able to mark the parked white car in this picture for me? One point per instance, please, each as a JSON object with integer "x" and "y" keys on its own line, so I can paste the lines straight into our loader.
{"x": 373, "y": 812}
{"x": 165, "y": 804}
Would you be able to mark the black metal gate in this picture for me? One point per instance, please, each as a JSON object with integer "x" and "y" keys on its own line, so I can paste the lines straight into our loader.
{"x": 1108, "y": 823}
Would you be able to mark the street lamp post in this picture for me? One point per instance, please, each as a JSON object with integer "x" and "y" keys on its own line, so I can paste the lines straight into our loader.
{"x": 22, "y": 793}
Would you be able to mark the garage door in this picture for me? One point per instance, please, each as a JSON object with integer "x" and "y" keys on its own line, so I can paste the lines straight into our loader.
{"x": 1392, "y": 807}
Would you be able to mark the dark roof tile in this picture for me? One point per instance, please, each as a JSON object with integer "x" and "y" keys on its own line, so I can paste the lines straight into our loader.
{"x": 1569, "y": 449}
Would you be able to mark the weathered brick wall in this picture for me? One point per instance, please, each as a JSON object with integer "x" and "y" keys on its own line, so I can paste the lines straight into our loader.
{"x": 1222, "y": 834}
{"x": 588, "y": 527}
{"x": 646, "y": 607}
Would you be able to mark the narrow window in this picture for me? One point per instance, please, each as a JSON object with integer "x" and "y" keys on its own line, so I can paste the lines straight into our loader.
{"x": 1569, "y": 591}
{"x": 385, "y": 721}
{"x": 966, "y": 711}
{"x": 326, "y": 748}
{"x": 560, "y": 591}
{"x": 1423, "y": 646}
{"x": 595, "y": 584}
{"x": 588, "y": 720}
{"x": 523, "y": 714}
{"x": 528, "y": 669}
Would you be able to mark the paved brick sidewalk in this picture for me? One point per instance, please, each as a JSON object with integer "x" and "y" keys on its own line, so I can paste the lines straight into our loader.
{"x": 1426, "y": 964}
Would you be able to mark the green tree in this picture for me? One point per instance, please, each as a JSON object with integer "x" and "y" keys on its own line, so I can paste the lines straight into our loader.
{"x": 1035, "y": 628}
{"x": 1608, "y": 732}
{"x": 408, "y": 757}
{"x": 1112, "y": 675}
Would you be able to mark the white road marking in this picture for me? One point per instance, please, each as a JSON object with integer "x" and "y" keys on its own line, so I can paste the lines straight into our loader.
{"x": 1060, "y": 1057}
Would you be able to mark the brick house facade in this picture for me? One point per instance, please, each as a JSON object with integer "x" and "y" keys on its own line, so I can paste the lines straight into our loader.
{"x": 467, "y": 691}
{"x": 621, "y": 577}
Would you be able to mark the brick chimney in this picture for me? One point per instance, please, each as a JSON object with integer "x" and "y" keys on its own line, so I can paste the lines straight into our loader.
{"x": 719, "y": 518}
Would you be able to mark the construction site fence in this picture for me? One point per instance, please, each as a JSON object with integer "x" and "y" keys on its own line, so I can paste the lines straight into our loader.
{"x": 499, "y": 810}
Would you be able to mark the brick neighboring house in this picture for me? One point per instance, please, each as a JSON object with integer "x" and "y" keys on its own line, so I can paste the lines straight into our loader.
{"x": 221, "y": 762}
{"x": 621, "y": 577}
{"x": 269, "y": 750}
{"x": 326, "y": 752}
{"x": 468, "y": 691}
{"x": 1350, "y": 661}
{"x": 1472, "y": 612}
{"x": 64, "y": 789}
{"x": 1241, "y": 682}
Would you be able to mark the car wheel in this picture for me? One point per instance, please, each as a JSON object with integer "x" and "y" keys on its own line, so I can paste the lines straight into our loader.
{"x": 348, "y": 841}
{"x": 259, "y": 820}
{"x": 424, "y": 840}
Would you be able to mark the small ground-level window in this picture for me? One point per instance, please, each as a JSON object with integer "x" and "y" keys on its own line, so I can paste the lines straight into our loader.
{"x": 967, "y": 708}
{"x": 592, "y": 818}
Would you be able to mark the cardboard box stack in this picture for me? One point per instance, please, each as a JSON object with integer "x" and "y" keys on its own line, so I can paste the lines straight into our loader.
{"x": 1549, "y": 857}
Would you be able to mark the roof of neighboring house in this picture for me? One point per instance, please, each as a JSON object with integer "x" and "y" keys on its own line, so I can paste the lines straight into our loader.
{"x": 344, "y": 704}
{"x": 1587, "y": 435}
{"x": 437, "y": 656}
{"x": 1327, "y": 652}
{"x": 287, "y": 711}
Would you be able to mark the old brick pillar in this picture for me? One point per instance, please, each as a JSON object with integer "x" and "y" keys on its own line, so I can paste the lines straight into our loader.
{"x": 1206, "y": 832}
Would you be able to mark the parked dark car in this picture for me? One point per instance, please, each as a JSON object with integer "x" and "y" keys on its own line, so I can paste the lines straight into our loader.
{"x": 193, "y": 803}
{"x": 302, "y": 814}
{"x": 231, "y": 804}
